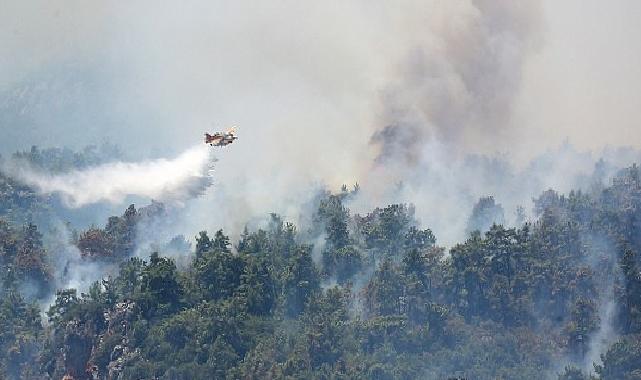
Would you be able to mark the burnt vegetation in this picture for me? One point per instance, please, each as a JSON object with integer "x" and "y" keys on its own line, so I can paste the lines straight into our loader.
{"x": 378, "y": 298}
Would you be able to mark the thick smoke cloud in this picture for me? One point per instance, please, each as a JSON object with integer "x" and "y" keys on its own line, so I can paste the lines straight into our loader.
{"x": 459, "y": 87}
{"x": 173, "y": 180}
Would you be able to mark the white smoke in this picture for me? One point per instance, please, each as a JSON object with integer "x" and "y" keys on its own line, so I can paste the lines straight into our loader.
{"x": 170, "y": 180}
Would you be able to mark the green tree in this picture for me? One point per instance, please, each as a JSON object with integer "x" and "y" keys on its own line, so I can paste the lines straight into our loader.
{"x": 622, "y": 360}
{"x": 31, "y": 260}
{"x": 21, "y": 335}
{"x": 385, "y": 293}
{"x": 160, "y": 292}
{"x": 218, "y": 271}
{"x": 203, "y": 244}
{"x": 258, "y": 285}
{"x": 301, "y": 281}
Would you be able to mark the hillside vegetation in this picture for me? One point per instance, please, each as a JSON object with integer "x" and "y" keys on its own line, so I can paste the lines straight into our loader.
{"x": 349, "y": 296}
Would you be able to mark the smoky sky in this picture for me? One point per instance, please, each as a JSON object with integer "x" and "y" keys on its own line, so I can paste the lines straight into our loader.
{"x": 155, "y": 76}
{"x": 323, "y": 92}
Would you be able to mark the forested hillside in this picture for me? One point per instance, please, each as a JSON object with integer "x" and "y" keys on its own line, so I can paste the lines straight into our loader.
{"x": 348, "y": 296}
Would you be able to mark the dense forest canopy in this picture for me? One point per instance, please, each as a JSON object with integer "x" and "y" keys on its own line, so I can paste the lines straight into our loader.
{"x": 347, "y": 295}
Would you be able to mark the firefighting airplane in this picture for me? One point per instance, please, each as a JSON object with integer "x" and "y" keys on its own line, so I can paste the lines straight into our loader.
{"x": 221, "y": 138}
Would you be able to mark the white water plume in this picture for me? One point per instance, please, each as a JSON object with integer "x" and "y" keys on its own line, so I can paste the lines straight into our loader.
{"x": 177, "y": 179}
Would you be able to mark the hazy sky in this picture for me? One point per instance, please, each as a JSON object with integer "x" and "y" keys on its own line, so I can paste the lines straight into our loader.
{"x": 584, "y": 82}
{"x": 313, "y": 85}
